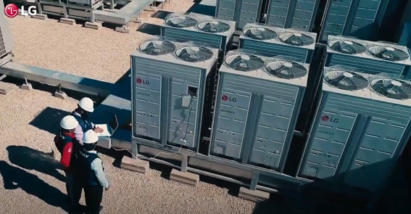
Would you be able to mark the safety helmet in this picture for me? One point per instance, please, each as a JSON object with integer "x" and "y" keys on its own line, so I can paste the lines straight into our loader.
{"x": 90, "y": 137}
{"x": 69, "y": 122}
{"x": 86, "y": 104}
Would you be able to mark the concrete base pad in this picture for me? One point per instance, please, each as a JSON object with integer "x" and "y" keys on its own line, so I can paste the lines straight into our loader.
{"x": 253, "y": 195}
{"x": 5, "y": 88}
{"x": 122, "y": 29}
{"x": 135, "y": 165}
{"x": 67, "y": 21}
{"x": 40, "y": 16}
{"x": 26, "y": 86}
{"x": 92, "y": 25}
{"x": 184, "y": 177}
{"x": 60, "y": 94}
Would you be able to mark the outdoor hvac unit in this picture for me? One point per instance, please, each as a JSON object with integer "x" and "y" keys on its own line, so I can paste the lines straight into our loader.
{"x": 360, "y": 129}
{"x": 368, "y": 57}
{"x": 258, "y": 100}
{"x": 215, "y": 33}
{"x": 6, "y": 43}
{"x": 169, "y": 81}
{"x": 273, "y": 41}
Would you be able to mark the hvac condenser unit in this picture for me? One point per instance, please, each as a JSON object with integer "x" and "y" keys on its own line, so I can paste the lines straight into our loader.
{"x": 369, "y": 57}
{"x": 360, "y": 129}
{"x": 273, "y": 41}
{"x": 257, "y": 104}
{"x": 6, "y": 43}
{"x": 169, "y": 81}
{"x": 213, "y": 32}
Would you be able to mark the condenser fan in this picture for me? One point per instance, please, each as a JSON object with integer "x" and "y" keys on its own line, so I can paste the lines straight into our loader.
{"x": 244, "y": 62}
{"x": 345, "y": 80}
{"x": 296, "y": 39}
{"x": 259, "y": 33}
{"x": 394, "y": 89}
{"x": 180, "y": 21}
{"x": 213, "y": 27}
{"x": 286, "y": 70}
{"x": 157, "y": 47}
{"x": 347, "y": 47}
{"x": 194, "y": 54}
{"x": 388, "y": 53}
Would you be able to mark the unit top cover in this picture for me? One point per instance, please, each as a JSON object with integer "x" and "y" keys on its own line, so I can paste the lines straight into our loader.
{"x": 278, "y": 69}
{"x": 344, "y": 80}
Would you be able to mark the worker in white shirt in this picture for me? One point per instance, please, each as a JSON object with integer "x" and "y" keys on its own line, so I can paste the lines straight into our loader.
{"x": 92, "y": 172}
{"x": 85, "y": 107}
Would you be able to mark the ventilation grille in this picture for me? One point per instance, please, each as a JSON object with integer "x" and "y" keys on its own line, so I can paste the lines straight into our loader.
{"x": 345, "y": 80}
{"x": 242, "y": 61}
{"x": 194, "y": 54}
{"x": 157, "y": 47}
{"x": 286, "y": 69}
{"x": 394, "y": 89}
{"x": 213, "y": 27}
{"x": 296, "y": 39}
{"x": 388, "y": 53}
{"x": 259, "y": 33}
{"x": 3, "y": 50}
{"x": 180, "y": 21}
{"x": 347, "y": 47}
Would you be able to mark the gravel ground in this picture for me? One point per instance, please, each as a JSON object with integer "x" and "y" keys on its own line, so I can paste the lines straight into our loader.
{"x": 32, "y": 181}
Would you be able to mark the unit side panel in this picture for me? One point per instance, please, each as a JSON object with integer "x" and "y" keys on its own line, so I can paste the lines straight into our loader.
{"x": 273, "y": 127}
{"x": 366, "y": 65}
{"x": 277, "y": 13}
{"x": 6, "y": 42}
{"x": 304, "y": 14}
{"x": 270, "y": 49}
{"x": 230, "y": 119}
{"x": 336, "y": 18}
{"x": 375, "y": 151}
{"x": 249, "y": 12}
{"x": 226, "y": 9}
{"x": 365, "y": 15}
{"x": 210, "y": 40}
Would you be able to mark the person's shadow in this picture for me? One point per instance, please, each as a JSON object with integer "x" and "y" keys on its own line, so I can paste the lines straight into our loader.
{"x": 15, "y": 178}
{"x": 32, "y": 159}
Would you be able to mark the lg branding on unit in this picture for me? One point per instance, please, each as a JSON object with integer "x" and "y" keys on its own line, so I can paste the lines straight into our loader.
{"x": 141, "y": 81}
{"x": 326, "y": 118}
{"x": 11, "y": 10}
{"x": 227, "y": 98}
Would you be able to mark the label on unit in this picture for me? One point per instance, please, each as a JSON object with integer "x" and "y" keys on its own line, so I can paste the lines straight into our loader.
{"x": 182, "y": 119}
{"x": 271, "y": 132}
{"x": 147, "y": 104}
{"x": 231, "y": 121}
{"x": 328, "y": 143}
{"x": 278, "y": 11}
{"x": 366, "y": 14}
{"x": 249, "y": 12}
{"x": 303, "y": 14}
{"x": 226, "y": 9}
{"x": 336, "y": 18}
{"x": 374, "y": 153}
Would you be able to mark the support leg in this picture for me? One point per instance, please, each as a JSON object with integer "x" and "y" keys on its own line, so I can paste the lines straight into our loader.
{"x": 65, "y": 19}
{"x": 92, "y": 22}
{"x": 40, "y": 14}
{"x": 252, "y": 194}
{"x": 5, "y": 87}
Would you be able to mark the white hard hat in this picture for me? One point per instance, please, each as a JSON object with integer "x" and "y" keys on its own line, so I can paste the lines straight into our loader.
{"x": 90, "y": 137}
{"x": 69, "y": 122}
{"x": 86, "y": 104}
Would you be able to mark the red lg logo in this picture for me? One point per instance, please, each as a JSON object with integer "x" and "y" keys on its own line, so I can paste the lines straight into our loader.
{"x": 227, "y": 98}
{"x": 224, "y": 98}
{"x": 325, "y": 118}
{"x": 141, "y": 81}
{"x": 11, "y": 10}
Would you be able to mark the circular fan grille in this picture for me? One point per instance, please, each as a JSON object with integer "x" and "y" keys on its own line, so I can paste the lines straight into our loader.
{"x": 213, "y": 27}
{"x": 394, "y": 89}
{"x": 157, "y": 47}
{"x": 260, "y": 33}
{"x": 388, "y": 53}
{"x": 296, "y": 39}
{"x": 194, "y": 54}
{"x": 244, "y": 62}
{"x": 286, "y": 70}
{"x": 348, "y": 47}
{"x": 181, "y": 21}
{"x": 346, "y": 80}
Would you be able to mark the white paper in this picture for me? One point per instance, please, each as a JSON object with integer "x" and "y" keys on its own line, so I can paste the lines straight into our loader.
{"x": 105, "y": 132}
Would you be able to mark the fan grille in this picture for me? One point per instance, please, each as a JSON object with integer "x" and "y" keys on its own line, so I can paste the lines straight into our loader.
{"x": 181, "y": 21}
{"x": 157, "y": 47}
{"x": 194, "y": 54}
{"x": 345, "y": 80}
{"x": 213, "y": 27}
{"x": 388, "y": 53}
{"x": 296, "y": 39}
{"x": 286, "y": 70}
{"x": 244, "y": 62}
{"x": 348, "y": 47}
{"x": 394, "y": 89}
{"x": 260, "y": 33}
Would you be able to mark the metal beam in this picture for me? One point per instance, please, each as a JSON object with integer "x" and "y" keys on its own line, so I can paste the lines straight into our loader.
{"x": 55, "y": 78}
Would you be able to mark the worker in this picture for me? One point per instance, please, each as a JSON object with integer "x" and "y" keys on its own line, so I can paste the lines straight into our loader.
{"x": 67, "y": 145}
{"x": 92, "y": 172}
{"x": 85, "y": 107}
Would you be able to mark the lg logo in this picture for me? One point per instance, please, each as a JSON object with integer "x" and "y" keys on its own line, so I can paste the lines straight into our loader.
{"x": 11, "y": 10}
{"x": 326, "y": 118}
{"x": 141, "y": 81}
{"x": 227, "y": 98}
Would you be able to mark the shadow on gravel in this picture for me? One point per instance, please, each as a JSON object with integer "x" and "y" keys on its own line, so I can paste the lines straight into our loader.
{"x": 32, "y": 159}
{"x": 49, "y": 120}
{"x": 15, "y": 178}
